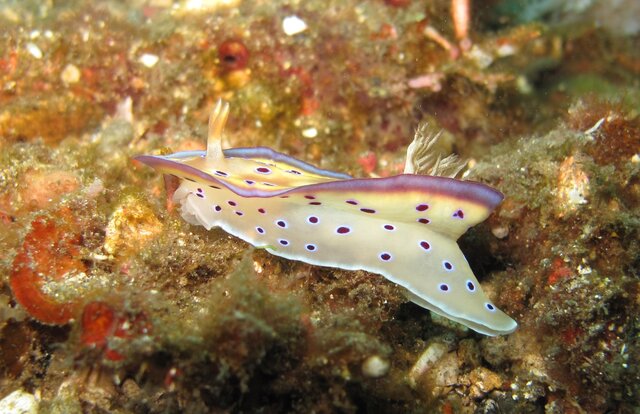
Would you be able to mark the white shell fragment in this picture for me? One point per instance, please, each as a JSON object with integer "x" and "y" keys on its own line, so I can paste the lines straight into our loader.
{"x": 149, "y": 60}
{"x": 19, "y": 402}
{"x": 292, "y": 25}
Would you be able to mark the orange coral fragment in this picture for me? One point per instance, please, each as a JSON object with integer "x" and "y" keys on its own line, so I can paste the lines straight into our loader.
{"x": 50, "y": 252}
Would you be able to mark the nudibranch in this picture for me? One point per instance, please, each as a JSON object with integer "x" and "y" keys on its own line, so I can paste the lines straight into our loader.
{"x": 403, "y": 227}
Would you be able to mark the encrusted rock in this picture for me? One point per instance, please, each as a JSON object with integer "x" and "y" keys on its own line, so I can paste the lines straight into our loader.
{"x": 132, "y": 224}
{"x": 41, "y": 188}
{"x": 483, "y": 381}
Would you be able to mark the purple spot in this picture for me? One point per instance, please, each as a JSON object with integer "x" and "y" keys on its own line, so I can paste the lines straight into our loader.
{"x": 447, "y": 266}
{"x": 423, "y": 220}
{"x": 310, "y": 247}
{"x": 250, "y": 182}
{"x": 200, "y": 195}
{"x": 221, "y": 173}
{"x": 343, "y": 230}
{"x": 261, "y": 210}
{"x": 470, "y": 286}
{"x": 260, "y": 230}
{"x": 240, "y": 213}
{"x": 385, "y": 256}
{"x": 425, "y": 245}
{"x": 218, "y": 208}
{"x": 313, "y": 219}
{"x": 444, "y": 287}
{"x": 281, "y": 223}
{"x": 459, "y": 214}
{"x": 422, "y": 207}
{"x": 389, "y": 227}
{"x": 283, "y": 242}
{"x": 232, "y": 203}
{"x": 367, "y": 210}
{"x": 490, "y": 307}
{"x": 352, "y": 202}
{"x": 294, "y": 172}
{"x": 309, "y": 197}
{"x": 315, "y": 203}
{"x": 199, "y": 190}
{"x": 263, "y": 170}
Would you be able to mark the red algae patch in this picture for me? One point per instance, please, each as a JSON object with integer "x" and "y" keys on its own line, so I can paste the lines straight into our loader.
{"x": 101, "y": 323}
{"x": 50, "y": 252}
{"x": 559, "y": 271}
{"x": 98, "y": 323}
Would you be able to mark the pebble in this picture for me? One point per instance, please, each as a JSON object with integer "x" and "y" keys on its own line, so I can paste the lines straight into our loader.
{"x": 70, "y": 74}
{"x": 149, "y": 60}
{"x": 500, "y": 231}
{"x": 375, "y": 367}
{"x": 208, "y": 5}
{"x": 310, "y": 132}
{"x": 34, "y": 50}
{"x": 292, "y": 25}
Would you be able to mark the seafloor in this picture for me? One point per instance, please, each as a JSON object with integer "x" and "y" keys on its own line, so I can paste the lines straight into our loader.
{"x": 112, "y": 303}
